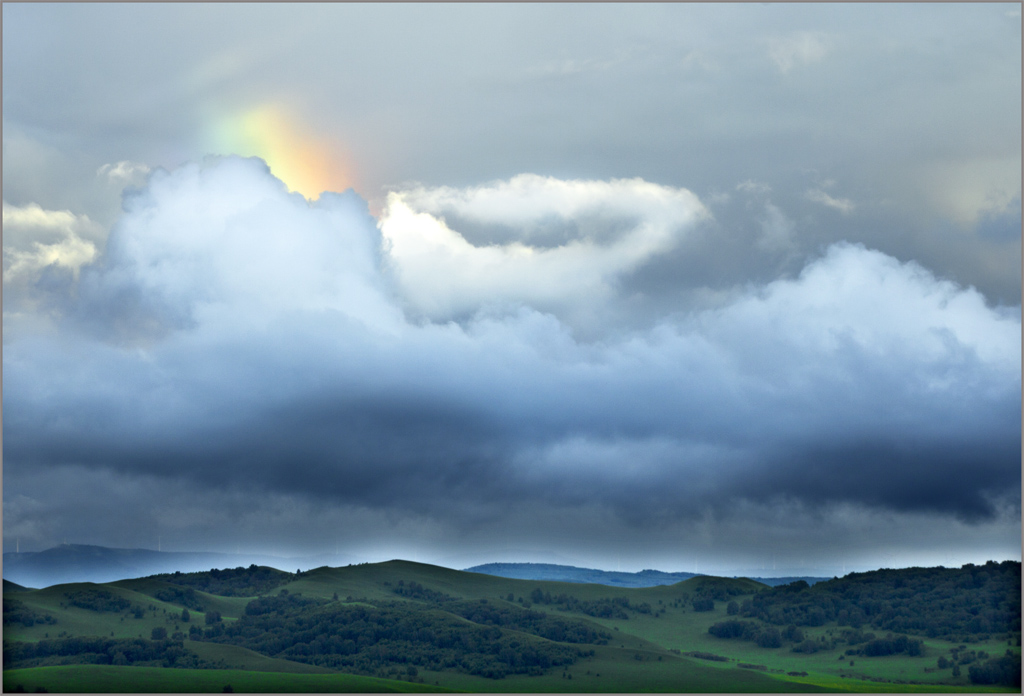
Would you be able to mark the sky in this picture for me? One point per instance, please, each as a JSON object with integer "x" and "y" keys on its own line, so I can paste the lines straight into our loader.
{"x": 724, "y": 288}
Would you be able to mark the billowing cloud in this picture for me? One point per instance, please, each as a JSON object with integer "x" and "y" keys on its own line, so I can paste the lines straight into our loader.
{"x": 234, "y": 337}
{"x": 71, "y": 253}
{"x": 43, "y": 253}
{"x": 226, "y": 242}
{"x": 552, "y": 244}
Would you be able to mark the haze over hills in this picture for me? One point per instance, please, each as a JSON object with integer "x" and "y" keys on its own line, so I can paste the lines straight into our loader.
{"x": 644, "y": 578}
{"x": 86, "y": 563}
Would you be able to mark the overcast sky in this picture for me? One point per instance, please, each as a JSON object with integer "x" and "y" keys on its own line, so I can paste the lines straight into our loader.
{"x": 675, "y": 286}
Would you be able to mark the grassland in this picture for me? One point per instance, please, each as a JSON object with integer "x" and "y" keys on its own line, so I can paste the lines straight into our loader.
{"x": 645, "y": 650}
{"x": 110, "y": 679}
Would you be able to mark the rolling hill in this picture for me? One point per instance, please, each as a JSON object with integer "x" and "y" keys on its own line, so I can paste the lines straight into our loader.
{"x": 413, "y": 626}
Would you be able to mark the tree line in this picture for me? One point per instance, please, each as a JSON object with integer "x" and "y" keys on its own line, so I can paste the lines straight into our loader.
{"x": 16, "y": 612}
{"x": 955, "y": 604}
{"x": 231, "y": 582}
{"x": 603, "y": 608}
{"x": 101, "y": 651}
{"x": 95, "y": 599}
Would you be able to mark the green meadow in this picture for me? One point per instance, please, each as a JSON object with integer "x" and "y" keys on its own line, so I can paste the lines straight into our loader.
{"x": 110, "y": 679}
{"x": 402, "y": 626}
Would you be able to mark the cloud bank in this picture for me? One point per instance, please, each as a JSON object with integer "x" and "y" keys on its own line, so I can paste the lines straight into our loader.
{"x": 235, "y": 337}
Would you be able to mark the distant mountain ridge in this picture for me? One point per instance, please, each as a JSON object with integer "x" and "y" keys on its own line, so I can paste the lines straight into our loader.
{"x": 85, "y": 563}
{"x": 100, "y": 564}
{"x": 644, "y": 578}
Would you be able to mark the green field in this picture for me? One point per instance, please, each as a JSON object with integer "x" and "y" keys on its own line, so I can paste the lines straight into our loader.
{"x": 647, "y": 635}
{"x": 108, "y": 679}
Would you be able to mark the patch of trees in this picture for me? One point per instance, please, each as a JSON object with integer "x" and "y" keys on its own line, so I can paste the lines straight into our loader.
{"x": 706, "y": 656}
{"x": 716, "y": 589}
{"x": 703, "y": 604}
{"x": 1002, "y": 671}
{"x": 283, "y": 602}
{"x": 368, "y": 640}
{"x": 961, "y": 655}
{"x": 97, "y": 600}
{"x": 949, "y": 603}
{"x": 182, "y": 596}
{"x": 732, "y": 629}
{"x": 719, "y": 589}
{"x": 538, "y": 623}
{"x": 603, "y": 608}
{"x": 809, "y": 646}
{"x": 855, "y": 636}
{"x": 16, "y": 612}
{"x": 231, "y": 582}
{"x": 100, "y": 651}
{"x": 771, "y": 637}
{"x": 764, "y": 636}
{"x": 415, "y": 590}
{"x": 890, "y": 645}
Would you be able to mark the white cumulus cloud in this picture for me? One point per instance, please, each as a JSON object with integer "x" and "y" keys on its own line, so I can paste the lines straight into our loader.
{"x": 226, "y": 239}
{"x": 35, "y": 238}
{"x": 565, "y": 243}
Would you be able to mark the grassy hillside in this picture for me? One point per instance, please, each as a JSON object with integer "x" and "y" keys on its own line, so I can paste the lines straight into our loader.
{"x": 107, "y": 679}
{"x": 420, "y": 625}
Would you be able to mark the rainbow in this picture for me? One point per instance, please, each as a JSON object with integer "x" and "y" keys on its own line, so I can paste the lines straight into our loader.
{"x": 306, "y": 163}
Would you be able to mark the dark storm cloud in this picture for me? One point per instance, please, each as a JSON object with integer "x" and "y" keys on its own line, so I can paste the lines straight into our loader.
{"x": 968, "y": 479}
{"x": 862, "y": 381}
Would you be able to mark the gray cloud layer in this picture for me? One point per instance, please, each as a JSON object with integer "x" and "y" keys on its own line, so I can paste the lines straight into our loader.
{"x": 238, "y": 338}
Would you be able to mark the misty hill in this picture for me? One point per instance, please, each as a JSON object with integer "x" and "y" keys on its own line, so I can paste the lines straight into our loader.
{"x": 563, "y": 573}
{"x": 84, "y": 563}
{"x": 645, "y": 578}
{"x": 786, "y": 580}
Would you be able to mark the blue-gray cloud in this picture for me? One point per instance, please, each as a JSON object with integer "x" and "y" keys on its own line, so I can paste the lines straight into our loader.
{"x": 265, "y": 349}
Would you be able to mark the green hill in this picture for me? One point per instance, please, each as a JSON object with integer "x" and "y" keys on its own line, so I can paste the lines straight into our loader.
{"x": 13, "y": 587}
{"x": 420, "y": 625}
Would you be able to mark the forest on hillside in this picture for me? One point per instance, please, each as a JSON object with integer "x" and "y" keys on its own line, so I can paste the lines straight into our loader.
{"x": 957, "y": 604}
{"x": 405, "y": 625}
